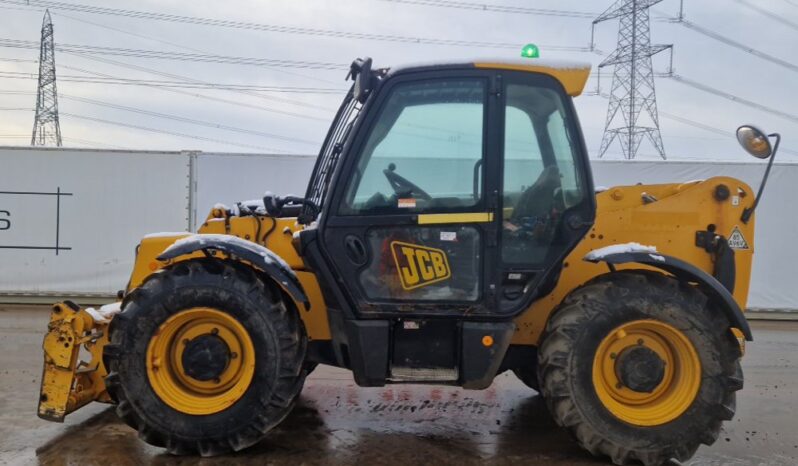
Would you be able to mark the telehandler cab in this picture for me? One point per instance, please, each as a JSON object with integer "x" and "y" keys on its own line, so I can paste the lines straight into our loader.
{"x": 450, "y": 232}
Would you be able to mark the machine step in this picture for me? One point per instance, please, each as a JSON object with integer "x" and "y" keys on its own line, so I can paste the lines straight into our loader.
{"x": 416, "y": 374}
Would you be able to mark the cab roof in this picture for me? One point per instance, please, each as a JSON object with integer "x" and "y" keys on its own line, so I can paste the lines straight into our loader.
{"x": 572, "y": 75}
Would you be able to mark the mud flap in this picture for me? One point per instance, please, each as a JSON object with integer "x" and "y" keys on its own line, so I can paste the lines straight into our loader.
{"x": 714, "y": 290}
{"x": 259, "y": 256}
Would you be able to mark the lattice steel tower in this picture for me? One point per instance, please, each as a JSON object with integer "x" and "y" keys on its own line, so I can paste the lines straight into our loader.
{"x": 632, "y": 94}
{"x": 46, "y": 128}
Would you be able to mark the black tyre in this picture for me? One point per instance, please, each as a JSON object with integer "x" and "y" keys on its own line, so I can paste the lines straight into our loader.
{"x": 638, "y": 367}
{"x": 205, "y": 358}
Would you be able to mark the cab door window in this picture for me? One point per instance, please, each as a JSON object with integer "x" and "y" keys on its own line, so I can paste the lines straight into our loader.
{"x": 540, "y": 179}
{"x": 424, "y": 152}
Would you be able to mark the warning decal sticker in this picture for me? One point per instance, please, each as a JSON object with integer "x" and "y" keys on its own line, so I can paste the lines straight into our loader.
{"x": 737, "y": 240}
{"x": 409, "y": 203}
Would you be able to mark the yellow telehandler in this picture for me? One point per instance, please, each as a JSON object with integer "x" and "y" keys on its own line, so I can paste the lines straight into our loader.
{"x": 450, "y": 232}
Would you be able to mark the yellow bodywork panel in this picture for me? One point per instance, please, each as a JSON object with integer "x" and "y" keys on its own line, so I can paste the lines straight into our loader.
{"x": 573, "y": 77}
{"x": 670, "y": 224}
{"x": 275, "y": 234}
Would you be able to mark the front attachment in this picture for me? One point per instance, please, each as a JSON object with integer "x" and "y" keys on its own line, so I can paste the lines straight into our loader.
{"x": 68, "y": 382}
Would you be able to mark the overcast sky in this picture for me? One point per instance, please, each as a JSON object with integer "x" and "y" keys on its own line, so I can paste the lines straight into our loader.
{"x": 302, "y": 118}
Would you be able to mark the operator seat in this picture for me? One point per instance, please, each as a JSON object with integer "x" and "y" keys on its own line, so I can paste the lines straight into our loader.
{"x": 538, "y": 199}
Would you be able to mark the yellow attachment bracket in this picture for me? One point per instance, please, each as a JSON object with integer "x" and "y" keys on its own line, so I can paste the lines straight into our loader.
{"x": 69, "y": 383}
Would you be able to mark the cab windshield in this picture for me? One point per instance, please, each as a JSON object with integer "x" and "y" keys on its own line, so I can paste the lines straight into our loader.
{"x": 426, "y": 151}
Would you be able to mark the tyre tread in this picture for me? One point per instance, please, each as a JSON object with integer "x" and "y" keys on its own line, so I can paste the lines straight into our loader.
{"x": 291, "y": 345}
{"x": 558, "y": 340}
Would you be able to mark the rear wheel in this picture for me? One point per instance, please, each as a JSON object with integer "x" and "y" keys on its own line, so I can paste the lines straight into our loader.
{"x": 639, "y": 368}
{"x": 205, "y": 358}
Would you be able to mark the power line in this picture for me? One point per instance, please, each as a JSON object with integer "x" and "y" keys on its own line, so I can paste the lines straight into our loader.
{"x": 173, "y": 117}
{"x": 177, "y": 84}
{"x": 172, "y": 133}
{"x": 187, "y": 79}
{"x": 770, "y": 15}
{"x": 273, "y": 27}
{"x": 180, "y": 46}
{"x": 688, "y": 24}
{"x": 193, "y": 94}
{"x": 179, "y": 56}
{"x": 499, "y": 8}
{"x": 183, "y": 119}
{"x": 91, "y": 143}
{"x": 711, "y": 129}
{"x": 740, "y": 100}
{"x": 738, "y": 45}
{"x": 19, "y": 60}
{"x": 193, "y": 80}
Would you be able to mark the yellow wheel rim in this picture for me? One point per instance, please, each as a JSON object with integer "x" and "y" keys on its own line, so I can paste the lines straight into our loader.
{"x": 189, "y": 394}
{"x": 663, "y": 401}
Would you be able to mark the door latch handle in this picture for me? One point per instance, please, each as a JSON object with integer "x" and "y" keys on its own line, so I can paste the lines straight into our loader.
{"x": 575, "y": 222}
{"x": 355, "y": 250}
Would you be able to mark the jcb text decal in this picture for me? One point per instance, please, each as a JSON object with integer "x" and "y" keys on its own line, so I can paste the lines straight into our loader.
{"x": 418, "y": 265}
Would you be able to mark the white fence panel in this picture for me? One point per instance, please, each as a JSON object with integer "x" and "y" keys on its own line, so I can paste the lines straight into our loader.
{"x": 230, "y": 178}
{"x": 225, "y": 178}
{"x": 70, "y": 219}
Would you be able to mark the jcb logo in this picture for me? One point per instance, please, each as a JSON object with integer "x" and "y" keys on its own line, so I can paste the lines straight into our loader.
{"x": 418, "y": 265}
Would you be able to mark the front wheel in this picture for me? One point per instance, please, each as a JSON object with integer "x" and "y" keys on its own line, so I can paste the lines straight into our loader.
{"x": 639, "y": 368}
{"x": 205, "y": 358}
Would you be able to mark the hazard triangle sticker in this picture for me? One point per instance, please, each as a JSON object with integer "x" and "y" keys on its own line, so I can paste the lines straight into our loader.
{"x": 737, "y": 240}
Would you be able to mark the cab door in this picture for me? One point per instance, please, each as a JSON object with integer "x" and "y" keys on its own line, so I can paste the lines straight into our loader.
{"x": 547, "y": 203}
{"x": 411, "y": 221}
{"x": 461, "y": 194}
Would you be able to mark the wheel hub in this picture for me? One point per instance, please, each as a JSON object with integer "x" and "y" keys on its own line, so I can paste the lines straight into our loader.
{"x": 640, "y": 369}
{"x": 646, "y": 372}
{"x": 206, "y": 357}
{"x": 200, "y": 361}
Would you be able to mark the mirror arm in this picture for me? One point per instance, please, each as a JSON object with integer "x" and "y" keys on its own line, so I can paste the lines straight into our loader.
{"x": 748, "y": 211}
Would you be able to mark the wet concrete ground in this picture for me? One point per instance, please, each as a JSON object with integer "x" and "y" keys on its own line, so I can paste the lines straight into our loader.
{"x": 337, "y": 422}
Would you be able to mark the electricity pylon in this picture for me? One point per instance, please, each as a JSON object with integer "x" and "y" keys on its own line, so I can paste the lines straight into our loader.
{"x": 46, "y": 128}
{"x": 633, "y": 91}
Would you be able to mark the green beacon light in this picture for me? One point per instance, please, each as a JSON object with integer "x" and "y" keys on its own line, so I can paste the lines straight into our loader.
{"x": 530, "y": 51}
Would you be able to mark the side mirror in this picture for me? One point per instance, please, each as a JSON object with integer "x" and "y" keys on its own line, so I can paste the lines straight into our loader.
{"x": 754, "y": 141}
{"x": 757, "y": 143}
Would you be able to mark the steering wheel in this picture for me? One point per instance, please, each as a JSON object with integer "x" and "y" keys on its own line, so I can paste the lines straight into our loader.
{"x": 402, "y": 186}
